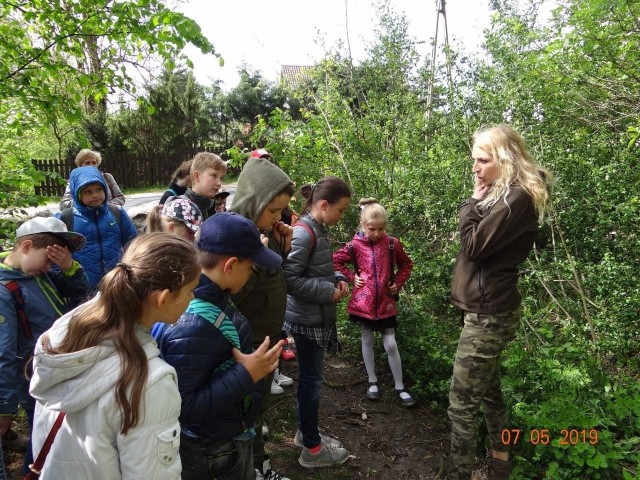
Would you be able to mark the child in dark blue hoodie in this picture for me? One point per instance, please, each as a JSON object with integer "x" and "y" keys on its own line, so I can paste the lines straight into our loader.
{"x": 211, "y": 349}
{"x": 107, "y": 228}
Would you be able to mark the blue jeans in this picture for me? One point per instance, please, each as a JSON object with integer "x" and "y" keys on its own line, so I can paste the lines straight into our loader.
{"x": 310, "y": 362}
{"x": 203, "y": 459}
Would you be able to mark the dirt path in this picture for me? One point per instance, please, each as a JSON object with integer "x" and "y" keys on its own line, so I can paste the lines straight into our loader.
{"x": 386, "y": 440}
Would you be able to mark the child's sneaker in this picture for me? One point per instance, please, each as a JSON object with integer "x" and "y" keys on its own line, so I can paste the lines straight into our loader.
{"x": 281, "y": 379}
{"x": 327, "y": 456}
{"x": 265, "y": 431}
{"x": 267, "y": 472}
{"x": 287, "y": 354}
{"x": 373, "y": 392}
{"x": 405, "y": 398}
{"x": 297, "y": 440}
{"x": 275, "y": 388}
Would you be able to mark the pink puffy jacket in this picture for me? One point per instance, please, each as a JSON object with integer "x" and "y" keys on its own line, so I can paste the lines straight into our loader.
{"x": 373, "y": 300}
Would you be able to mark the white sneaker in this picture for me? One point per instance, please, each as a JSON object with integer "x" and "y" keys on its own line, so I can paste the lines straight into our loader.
{"x": 276, "y": 389}
{"x": 268, "y": 474}
{"x": 281, "y": 379}
{"x": 265, "y": 431}
{"x": 297, "y": 440}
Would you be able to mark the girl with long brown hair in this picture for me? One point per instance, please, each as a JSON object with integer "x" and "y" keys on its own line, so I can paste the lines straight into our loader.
{"x": 100, "y": 366}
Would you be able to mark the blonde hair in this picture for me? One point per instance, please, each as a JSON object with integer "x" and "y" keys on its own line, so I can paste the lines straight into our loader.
{"x": 85, "y": 153}
{"x": 204, "y": 160}
{"x": 517, "y": 167}
{"x": 153, "y": 262}
{"x": 155, "y": 219}
{"x": 370, "y": 209}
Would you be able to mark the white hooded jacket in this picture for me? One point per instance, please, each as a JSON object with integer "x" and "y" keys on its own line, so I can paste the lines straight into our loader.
{"x": 89, "y": 443}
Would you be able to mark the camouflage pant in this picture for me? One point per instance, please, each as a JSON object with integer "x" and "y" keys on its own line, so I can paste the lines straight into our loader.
{"x": 476, "y": 381}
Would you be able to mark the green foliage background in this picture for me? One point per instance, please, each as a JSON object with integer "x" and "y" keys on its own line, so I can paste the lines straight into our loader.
{"x": 570, "y": 86}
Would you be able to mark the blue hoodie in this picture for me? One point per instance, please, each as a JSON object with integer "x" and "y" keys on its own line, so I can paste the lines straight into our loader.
{"x": 44, "y": 303}
{"x": 105, "y": 240}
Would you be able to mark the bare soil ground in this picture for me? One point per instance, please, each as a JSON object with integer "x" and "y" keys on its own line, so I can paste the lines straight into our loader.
{"x": 386, "y": 440}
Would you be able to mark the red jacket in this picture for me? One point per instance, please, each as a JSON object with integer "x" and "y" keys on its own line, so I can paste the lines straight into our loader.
{"x": 373, "y": 300}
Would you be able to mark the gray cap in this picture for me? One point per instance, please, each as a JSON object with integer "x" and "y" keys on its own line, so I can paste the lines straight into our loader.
{"x": 54, "y": 226}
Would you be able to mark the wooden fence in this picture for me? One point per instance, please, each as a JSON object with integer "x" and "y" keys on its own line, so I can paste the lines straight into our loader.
{"x": 130, "y": 171}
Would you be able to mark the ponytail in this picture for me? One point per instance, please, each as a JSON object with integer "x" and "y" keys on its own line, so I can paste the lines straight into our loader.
{"x": 331, "y": 189}
{"x": 153, "y": 262}
{"x": 154, "y": 220}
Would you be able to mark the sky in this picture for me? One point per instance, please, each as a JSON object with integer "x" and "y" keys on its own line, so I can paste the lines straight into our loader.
{"x": 268, "y": 34}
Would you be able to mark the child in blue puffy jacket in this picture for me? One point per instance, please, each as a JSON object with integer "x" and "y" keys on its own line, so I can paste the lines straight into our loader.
{"x": 106, "y": 227}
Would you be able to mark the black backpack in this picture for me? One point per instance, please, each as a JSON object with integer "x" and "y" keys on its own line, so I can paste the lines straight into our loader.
{"x": 67, "y": 217}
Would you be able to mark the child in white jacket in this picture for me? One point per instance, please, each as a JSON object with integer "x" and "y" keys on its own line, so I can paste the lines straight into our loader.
{"x": 100, "y": 366}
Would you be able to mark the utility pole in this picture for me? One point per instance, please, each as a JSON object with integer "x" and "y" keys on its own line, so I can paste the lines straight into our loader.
{"x": 441, "y": 10}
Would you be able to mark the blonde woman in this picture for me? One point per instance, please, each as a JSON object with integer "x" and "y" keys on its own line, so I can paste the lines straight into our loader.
{"x": 91, "y": 158}
{"x": 498, "y": 225}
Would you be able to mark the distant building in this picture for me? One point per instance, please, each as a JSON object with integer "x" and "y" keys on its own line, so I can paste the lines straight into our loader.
{"x": 293, "y": 76}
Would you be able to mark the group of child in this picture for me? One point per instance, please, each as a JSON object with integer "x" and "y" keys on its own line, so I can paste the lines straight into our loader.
{"x": 214, "y": 289}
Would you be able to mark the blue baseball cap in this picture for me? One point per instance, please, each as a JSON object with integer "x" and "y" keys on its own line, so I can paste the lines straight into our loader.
{"x": 229, "y": 233}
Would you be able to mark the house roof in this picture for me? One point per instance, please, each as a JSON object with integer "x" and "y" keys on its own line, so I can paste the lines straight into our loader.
{"x": 292, "y": 76}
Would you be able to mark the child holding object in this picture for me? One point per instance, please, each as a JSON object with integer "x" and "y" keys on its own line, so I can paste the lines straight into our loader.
{"x": 374, "y": 256}
{"x": 313, "y": 289}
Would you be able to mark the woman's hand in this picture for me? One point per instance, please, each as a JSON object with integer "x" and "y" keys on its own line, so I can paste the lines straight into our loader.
{"x": 480, "y": 190}
{"x": 393, "y": 289}
{"x": 358, "y": 281}
{"x": 262, "y": 361}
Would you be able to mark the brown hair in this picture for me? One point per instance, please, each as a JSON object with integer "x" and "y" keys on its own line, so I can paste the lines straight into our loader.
{"x": 153, "y": 262}
{"x": 184, "y": 170}
{"x": 204, "y": 160}
{"x": 40, "y": 240}
{"x": 84, "y": 153}
{"x": 331, "y": 189}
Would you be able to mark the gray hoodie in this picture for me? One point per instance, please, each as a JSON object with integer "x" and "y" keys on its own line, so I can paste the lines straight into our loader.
{"x": 89, "y": 443}
{"x": 263, "y": 300}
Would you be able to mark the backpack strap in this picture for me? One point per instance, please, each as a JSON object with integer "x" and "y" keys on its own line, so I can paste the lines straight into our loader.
{"x": 18, "y": 300}
{"x": 117, "y": 214}
{"x": 67, "y": 218}
{"x": 392, "y": 260}
{"x": 36, "y": 468}
{"x": 354, "y": 260}
{"x": 308, "y": 228}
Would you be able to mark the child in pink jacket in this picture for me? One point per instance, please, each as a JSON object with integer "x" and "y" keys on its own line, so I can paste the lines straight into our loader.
{"x": 370, "y": 261}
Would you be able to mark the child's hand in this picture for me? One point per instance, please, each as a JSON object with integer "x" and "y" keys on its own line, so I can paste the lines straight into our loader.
{"x": 262, "y": 362}
{"x": 264, "y": 239}
{"x": 341, "y": 290}
{"x": 61, "y": 256}
{"x": 282, "y": 234}
{"x": 393, "y": 289}
{"x": 358, "y": 281}
{"x": 344, "y": 288}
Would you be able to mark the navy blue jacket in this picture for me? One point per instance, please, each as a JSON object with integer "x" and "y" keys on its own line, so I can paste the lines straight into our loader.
{"x": 219, "y": 398}
{"x": 105, "y": 239}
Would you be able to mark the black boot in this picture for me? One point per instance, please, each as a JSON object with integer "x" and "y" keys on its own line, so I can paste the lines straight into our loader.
{"x": 499, "y": 469}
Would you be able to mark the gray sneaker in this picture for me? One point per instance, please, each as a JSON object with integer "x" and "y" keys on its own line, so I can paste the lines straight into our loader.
{"x": 327, "y": 456}
{"x": 297, "y": 440}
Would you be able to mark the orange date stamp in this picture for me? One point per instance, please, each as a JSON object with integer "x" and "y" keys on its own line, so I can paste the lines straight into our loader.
{"x": 543, "y": 436}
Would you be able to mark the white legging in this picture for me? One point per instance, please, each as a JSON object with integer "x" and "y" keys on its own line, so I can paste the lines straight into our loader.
{"x": 391, "y": 347}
